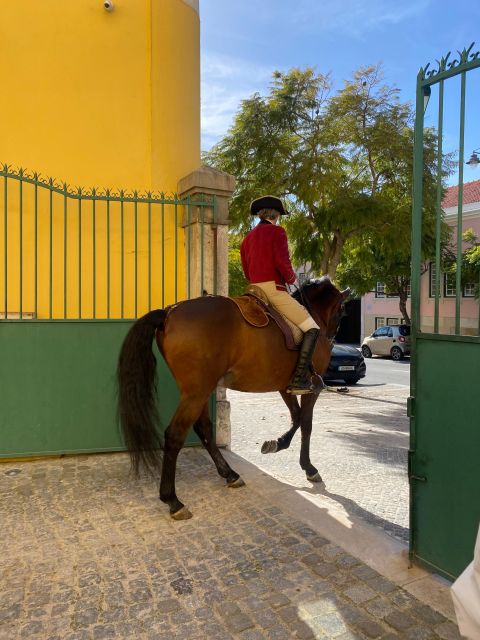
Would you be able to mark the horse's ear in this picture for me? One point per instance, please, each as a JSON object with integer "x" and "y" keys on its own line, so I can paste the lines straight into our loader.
{"x": 345, "y": 293}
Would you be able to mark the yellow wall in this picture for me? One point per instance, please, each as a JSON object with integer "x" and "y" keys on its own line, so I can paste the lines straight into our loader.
{"x": 96, "y": 99}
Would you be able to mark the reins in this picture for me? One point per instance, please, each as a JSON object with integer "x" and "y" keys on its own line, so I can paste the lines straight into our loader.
{"x": 306, "y": 304}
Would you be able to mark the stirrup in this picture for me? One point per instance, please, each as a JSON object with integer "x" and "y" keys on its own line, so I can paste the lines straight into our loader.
{"x": 302, "y": 387}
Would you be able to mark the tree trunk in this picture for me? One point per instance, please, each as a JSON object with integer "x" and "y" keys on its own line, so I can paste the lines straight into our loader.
{"x": 324, "y": 263}
{"x": 335, "y": 258}
{"x": 403, "y": 306}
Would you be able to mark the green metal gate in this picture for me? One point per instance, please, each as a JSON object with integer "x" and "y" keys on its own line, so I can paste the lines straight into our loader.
{"x": 444, "y": 461}
{"x": 76, "y": 268}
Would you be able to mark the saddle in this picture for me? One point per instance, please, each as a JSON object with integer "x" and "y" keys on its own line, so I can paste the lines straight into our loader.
{"x": 257, "y": 311}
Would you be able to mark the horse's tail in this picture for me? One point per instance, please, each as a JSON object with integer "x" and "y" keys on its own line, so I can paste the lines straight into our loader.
{"x": 136, "y": 375}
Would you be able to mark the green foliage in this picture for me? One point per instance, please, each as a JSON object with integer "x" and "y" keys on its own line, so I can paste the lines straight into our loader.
{"x": 275, "y": 142}
{"x": 470, "y": 260}
{"x": 236, "y": 280}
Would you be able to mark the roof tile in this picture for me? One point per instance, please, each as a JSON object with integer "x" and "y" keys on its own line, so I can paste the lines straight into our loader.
{"x": 471, "y": 194}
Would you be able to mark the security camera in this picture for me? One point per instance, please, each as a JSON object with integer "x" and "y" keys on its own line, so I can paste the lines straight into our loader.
{"x": 108, "y": 5}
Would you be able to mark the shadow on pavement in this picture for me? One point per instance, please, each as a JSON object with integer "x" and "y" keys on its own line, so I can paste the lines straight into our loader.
{"x": 354, "y": 509}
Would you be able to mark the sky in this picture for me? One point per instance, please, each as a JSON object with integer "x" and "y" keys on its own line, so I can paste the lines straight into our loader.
{"x": 244, "y": 41}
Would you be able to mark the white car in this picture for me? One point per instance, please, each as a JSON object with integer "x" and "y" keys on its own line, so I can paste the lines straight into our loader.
{"x": 391, "y": 341}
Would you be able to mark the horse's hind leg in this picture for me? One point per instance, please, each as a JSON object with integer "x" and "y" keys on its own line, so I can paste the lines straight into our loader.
{"x": 308, "y": 402}
{"x": 186, "y": 414}
{"x": 204, "y": 430}
{"x": 272, "y": 446}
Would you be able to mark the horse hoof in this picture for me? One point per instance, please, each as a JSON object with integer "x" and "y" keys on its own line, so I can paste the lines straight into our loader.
{"x": 181, "y": 514}
{"x": 315, "y": 478}
{"x": 236, "y": 483}
{"x": 270, "y": 446}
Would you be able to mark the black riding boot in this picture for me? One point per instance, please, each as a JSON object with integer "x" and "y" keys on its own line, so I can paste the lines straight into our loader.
{"x": 302, "y": 381}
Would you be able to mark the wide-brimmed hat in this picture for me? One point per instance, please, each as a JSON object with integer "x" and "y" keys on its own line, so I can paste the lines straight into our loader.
{"x": 268, "y": 202}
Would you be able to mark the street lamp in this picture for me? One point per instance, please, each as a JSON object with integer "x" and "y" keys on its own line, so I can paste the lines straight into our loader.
{"x": 474, "y": 159}
{"x": 427, "y": 92}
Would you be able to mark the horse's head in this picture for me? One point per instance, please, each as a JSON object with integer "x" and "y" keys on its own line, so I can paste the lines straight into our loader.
{"x": 324, "y": 302}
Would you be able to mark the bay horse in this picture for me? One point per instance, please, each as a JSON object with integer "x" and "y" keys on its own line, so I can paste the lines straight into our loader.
{"x": 206, "y": 342}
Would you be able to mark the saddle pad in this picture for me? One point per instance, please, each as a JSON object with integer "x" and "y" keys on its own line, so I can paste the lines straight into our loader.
{"x": 257, "y": 312}
{"x": 251, "y": 311}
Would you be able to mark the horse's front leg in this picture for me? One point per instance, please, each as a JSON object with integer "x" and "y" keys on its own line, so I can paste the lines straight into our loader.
{"x": 272, "y": 446}
{"x": 308, "y": 402}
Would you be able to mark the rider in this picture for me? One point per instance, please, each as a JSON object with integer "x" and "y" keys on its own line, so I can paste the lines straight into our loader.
{"x": 266, "y": 263}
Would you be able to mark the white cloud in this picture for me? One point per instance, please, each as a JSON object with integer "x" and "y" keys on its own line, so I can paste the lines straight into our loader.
{"x": 355, "y": 18}
{"x": 226, "y": 81}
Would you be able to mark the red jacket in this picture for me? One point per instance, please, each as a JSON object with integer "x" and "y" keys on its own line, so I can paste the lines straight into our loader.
{"x": 265, "y": 257}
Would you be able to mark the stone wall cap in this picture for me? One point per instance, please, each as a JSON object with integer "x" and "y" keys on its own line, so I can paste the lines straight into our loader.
{"x": 207, "y": 180}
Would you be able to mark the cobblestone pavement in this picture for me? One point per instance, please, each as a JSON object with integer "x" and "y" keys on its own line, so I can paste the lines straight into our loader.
{"x": 88, "y": 552}
{"x": 359, "y": 444}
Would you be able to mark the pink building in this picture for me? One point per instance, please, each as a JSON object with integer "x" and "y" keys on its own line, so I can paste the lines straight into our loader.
{"x": 379, "y": 309}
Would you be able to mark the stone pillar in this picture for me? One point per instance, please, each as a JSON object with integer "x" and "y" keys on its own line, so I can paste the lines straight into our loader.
{"x": 208, "y": 182}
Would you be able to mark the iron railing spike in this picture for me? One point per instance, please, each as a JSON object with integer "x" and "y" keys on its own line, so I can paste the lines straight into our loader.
{"x": 465, "y": 58}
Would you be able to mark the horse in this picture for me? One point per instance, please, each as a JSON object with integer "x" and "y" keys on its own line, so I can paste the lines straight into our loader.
{"x": 207, "y": 343}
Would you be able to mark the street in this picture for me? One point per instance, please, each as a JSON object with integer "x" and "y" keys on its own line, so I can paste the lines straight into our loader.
{"x": 386, "y": 371}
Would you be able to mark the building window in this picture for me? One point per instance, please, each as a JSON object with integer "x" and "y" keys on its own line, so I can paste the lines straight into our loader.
{"x": 302, "y": 277}
{"x": 380, "y": 290}
{"x": 469, "y": 290}
{"x": 433, "y": 283}
{"x": 450, "y": 285}
{"x": 379, "y": 322}
{"x": 409, "y": 290}
{"x": 393, "y": 321}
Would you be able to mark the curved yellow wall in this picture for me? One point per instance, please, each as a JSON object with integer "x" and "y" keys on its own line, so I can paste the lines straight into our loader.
{"x": 97, "y": 98}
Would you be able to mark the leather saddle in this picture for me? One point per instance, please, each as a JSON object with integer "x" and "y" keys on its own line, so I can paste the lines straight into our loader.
{"x": 258, "y": 312}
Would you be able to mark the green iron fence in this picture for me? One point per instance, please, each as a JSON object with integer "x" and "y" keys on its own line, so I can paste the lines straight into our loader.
{"x": 72, "y": 253}
{"x": 428, "y": 79}
{"x": 78, "y": 267}
{"x": 444, "y": 469}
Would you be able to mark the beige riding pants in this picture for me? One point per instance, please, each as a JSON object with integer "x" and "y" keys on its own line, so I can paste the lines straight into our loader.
{"x": 288, "y": 306}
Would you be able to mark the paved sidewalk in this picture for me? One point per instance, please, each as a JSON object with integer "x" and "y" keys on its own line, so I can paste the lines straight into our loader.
{"x": 87, "y": 552}
{"x": 359, "y": 445}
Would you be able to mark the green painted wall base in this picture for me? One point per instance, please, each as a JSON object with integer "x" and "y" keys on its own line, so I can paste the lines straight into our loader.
{"x": 446, "y": 436}
{"x": 58, "y": 390}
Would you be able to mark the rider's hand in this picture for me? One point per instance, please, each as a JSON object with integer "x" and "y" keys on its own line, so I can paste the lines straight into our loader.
{"x": 293, "y": 285}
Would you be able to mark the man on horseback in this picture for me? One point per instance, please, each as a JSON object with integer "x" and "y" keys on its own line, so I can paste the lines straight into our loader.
{"x": 266, "y": 263}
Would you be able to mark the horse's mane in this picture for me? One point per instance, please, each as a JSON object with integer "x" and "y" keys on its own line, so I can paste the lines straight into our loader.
{"x": 322, "y": 286}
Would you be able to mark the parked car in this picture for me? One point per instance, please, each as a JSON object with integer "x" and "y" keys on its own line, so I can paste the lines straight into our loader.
{"x": 346, "y": 363}
{"x": 391, "y": 341}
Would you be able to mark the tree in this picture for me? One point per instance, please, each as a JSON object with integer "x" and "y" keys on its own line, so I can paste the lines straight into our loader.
{"x": 342, "y": 162}
{"x": 471, "y": 260}
{"x": 386, "y": 255}
{"x": 278, "y": 144}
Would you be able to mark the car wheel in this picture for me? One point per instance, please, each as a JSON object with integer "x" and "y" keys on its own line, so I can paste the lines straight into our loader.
{"x": 366, "y": 352}
{"x": 351, "y": 380}
{"x": 396, "y": 353}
